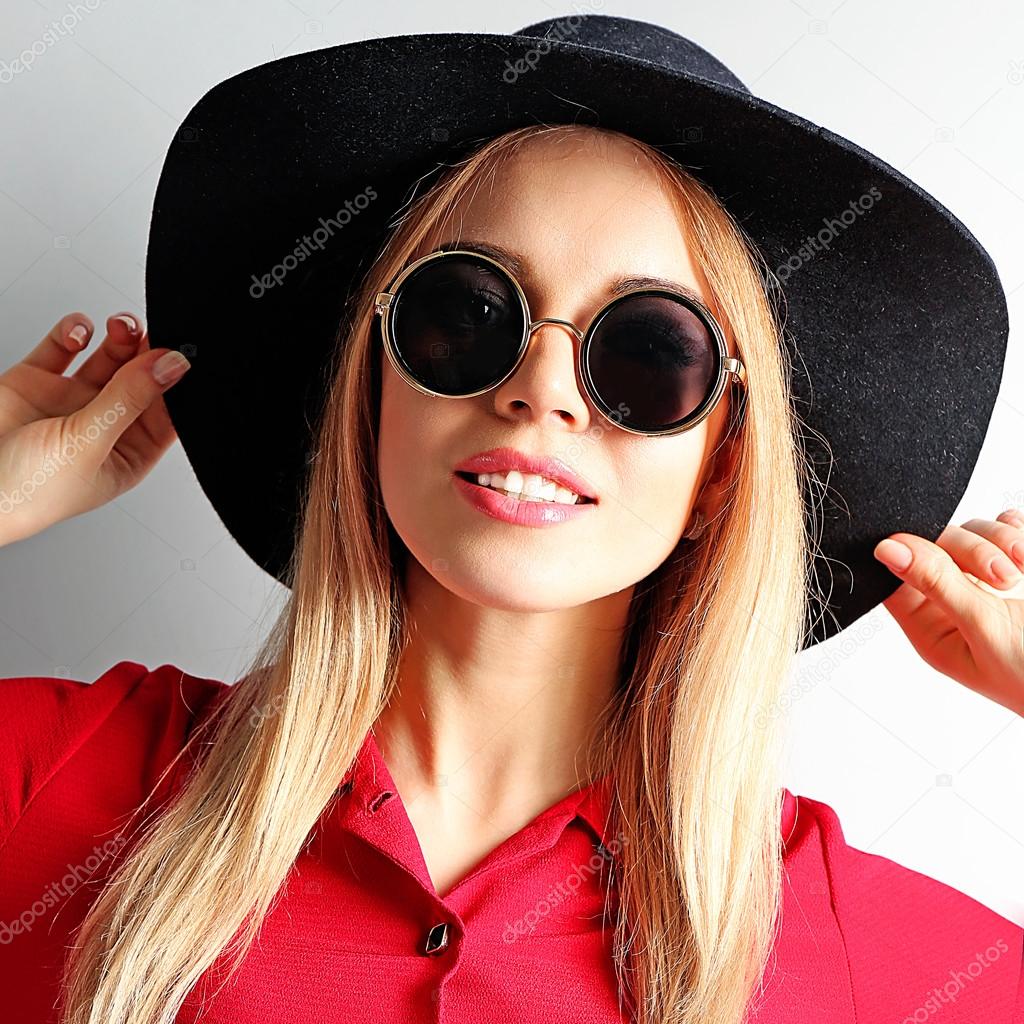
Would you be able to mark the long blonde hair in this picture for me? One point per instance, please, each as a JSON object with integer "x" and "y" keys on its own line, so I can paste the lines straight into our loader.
{"x": 708, "y": 648}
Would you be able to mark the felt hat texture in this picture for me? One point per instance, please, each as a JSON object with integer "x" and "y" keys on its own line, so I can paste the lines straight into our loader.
{"x": 279, "y": 188}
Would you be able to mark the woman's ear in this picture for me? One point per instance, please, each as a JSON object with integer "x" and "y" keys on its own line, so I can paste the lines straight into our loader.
{"x": 721, "y": 468}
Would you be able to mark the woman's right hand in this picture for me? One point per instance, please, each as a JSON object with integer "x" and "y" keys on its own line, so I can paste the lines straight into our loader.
{"x": 69, "y": 444}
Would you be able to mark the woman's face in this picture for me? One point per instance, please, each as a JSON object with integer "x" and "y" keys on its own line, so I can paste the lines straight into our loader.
{"x": 582, "y": 213}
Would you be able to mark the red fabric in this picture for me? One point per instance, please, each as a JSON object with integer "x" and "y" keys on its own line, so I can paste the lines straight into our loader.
{"x": 863, "y": 939}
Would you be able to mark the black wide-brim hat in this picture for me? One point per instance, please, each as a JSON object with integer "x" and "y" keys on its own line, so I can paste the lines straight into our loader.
{"x": 278, "y": 190}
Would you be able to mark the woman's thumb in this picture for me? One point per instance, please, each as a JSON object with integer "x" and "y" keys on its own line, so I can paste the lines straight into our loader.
{"x": 130, "y": 391}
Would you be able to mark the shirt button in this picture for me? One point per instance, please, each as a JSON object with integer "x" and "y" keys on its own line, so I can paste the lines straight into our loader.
{"x": 437, "y": 939}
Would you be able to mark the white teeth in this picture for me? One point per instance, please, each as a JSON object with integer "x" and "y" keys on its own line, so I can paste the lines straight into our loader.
{"x": 530, "y": 487}
{"x": 538, "y": 487}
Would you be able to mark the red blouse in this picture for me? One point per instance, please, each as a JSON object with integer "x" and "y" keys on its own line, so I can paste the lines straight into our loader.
{"x": 360, "y": 934}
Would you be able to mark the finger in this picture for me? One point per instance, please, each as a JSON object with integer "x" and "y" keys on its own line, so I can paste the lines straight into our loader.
{"x": 933, "y": 574}
{"x": 158, "y": 426}
{"x": 120, "y": 345}
{"x": 1006, "y": 532}
{"x": 123, "y": 399}
{"x": 1013, "y": 516}
{"x": 977, "y": 547}
{"x": 68, "y": 336}
{"x": 153, "y": 432}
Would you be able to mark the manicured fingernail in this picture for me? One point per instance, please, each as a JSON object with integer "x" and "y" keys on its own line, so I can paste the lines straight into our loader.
{"x": 895, "y": 555}
{"x": 78, "y": 334}
{"x": 129, "y": 321}
{"x": 170, "y": 367}
{"x": 1004, "y": 568}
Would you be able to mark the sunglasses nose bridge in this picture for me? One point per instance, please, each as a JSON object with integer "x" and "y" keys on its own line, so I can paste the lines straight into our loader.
{"x": 554, "y": 320}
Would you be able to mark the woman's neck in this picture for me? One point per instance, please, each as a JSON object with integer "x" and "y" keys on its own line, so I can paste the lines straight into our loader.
{"x": 496, "y": 709}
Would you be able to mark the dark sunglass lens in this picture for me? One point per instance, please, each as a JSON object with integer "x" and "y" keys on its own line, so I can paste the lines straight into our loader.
{"x": 653, "y": 361}
{"x": 457, "y": 325}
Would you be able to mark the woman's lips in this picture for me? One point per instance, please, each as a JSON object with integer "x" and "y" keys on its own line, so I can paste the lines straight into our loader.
{"x": 582, "y": 499}
{"x": 502, "y": 460}
{"x": 520, "y": 513}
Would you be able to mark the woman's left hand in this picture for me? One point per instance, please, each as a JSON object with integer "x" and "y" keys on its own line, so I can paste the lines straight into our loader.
{"x": 949, "y": 610}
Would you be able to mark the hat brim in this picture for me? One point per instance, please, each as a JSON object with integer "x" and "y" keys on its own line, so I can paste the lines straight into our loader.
{"x": 895, "y": 318}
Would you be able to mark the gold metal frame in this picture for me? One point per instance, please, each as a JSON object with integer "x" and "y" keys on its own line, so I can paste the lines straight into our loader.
{"x": 730, "y": 369}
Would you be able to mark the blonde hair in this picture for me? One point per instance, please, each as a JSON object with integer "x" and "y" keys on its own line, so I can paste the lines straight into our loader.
{"x": 708, "y": 648}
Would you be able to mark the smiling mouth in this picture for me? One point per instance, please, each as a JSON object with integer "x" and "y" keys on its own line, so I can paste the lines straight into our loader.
{"x": 472, "y": 478}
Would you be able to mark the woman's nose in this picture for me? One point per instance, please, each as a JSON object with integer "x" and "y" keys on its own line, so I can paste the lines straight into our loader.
{"x": 546, "y": 383}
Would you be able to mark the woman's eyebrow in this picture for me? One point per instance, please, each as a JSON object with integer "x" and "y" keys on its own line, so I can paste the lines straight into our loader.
{"x": 516, "y": 263}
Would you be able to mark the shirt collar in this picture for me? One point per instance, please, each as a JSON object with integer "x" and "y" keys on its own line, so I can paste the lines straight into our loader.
{"x": 368, "y": 778}
{"x": 591, "y": 803}
{"x": 596, "y": 800}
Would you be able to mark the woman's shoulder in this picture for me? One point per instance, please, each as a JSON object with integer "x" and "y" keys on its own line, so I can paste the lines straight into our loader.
{"x": 912, "y": 944}
{"x": 65, "y": 737}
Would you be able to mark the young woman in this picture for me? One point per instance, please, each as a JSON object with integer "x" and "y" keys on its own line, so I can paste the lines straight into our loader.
{"x": 507, "y": 752}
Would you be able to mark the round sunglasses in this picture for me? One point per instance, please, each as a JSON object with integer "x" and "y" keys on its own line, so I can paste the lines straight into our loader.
{"x": 456, "y": 323}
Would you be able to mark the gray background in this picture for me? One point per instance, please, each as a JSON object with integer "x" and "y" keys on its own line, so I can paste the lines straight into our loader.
{"x": 919, "y": 769}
